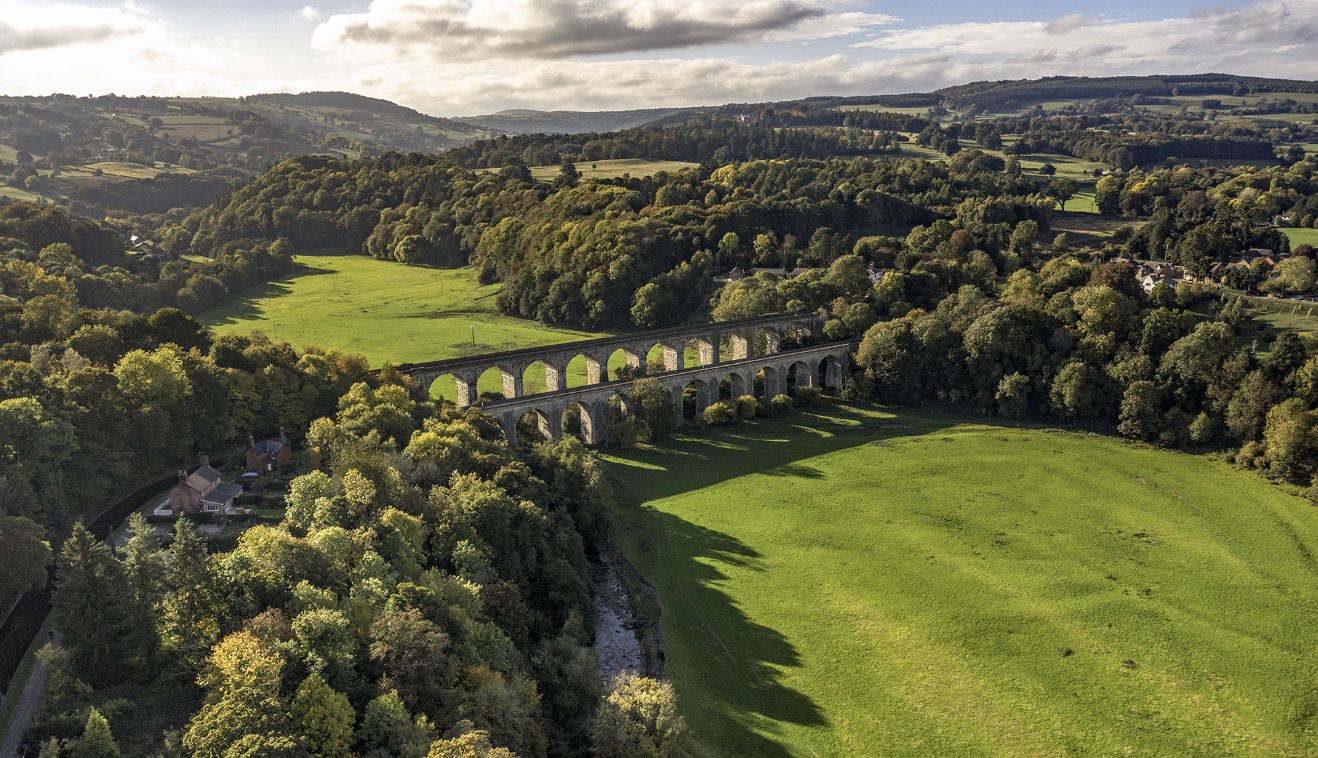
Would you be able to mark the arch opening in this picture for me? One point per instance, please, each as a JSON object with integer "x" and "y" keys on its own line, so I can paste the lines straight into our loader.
{"x": 732, "y": 386}
{"x": 576, "y": 372}
{"x": 698, "y": 351}
{"x": 695, "y": 399}
{"x": 830, "y": 374}
{"x": 767, "y": 384}
{"x": 579, "y": 421}
{"x": 496, "y": 383}
{"x": 663, "y": 357}
{"x": 534, "y": 427}
{"x": 796, "y": 335}
{"x": 799, "y": 375}
{"x": 624, "y": 364}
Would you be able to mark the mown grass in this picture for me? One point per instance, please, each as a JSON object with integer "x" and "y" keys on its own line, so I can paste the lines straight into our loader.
{"x": 856, "y": 582}
{"x": 385, "y": 311}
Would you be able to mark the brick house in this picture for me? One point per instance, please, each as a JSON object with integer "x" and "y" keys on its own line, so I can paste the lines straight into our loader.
{"x": 268, "y": 456}
{"x": 202, "y": 491}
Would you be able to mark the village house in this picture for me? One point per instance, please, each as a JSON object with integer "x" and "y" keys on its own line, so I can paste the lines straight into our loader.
{"x": 1153, "y": 280}
{"x": 202, "y": 491}
{"x": 269, "y": 456}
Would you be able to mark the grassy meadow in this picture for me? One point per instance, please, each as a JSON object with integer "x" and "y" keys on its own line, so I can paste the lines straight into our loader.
{"x": 847, "y": 581}
{"x": 385, "y": 311}
{"x": 613, "y": 169}
{"x": 1302, "y": 236}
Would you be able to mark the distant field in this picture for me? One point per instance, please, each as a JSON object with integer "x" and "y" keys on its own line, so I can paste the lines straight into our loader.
{"x": 913, "y": 111}
{"x": 385, "y": 311}
{"x": 189, "y": 120}
{"x": 851, "y": 582}
{"x": 1302, "y": 236}
{"x": 133, "y": 170}
{"x": 612, "y": 169}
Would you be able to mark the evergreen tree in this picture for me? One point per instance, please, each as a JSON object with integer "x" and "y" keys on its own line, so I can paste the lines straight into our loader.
{"x": 144, "y": 567}
{"x": 97, "y": 742}
{"x": 89, "y": 609}
{"x": 193, "y": 605}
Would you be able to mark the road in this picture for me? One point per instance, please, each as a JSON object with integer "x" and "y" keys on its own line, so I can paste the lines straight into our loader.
{"x": 26, "y": 706}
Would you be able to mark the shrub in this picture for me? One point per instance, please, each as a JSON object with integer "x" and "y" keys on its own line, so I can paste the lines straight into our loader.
{"x": 781, "y": 404}
{"x": 1252, "y": 454}
{"x": 746, "y": 406}
{"x": 807, "y": 396}
{"x": 719, "y": 414}
{"x": 762, "y": 408}
{"x": 859, "y": 386}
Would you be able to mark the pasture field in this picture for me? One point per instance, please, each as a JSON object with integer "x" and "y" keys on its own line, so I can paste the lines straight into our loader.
{"x": 853, "y": 582}
{"x": 385, "y": 311}
{"x": 1302, "y": 236}
{"x": 612, "y": 169}
{"x": 132, "y": 170}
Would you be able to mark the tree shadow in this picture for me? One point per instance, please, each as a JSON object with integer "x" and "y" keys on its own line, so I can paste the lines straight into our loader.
{"x": 243, "y": 306}
{"x": 739, "y": 664}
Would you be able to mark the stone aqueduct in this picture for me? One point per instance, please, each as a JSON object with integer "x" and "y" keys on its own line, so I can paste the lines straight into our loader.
{"x": 737, "y": 351}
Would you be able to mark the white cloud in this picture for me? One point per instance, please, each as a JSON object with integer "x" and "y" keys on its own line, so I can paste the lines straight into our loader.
{"x": 26, "y": 28}
{"x": 448, "y": 30}
{"x": 310, "y": 13}
{"x": 1281, "y": 34}
{"x": 84, "y": 49}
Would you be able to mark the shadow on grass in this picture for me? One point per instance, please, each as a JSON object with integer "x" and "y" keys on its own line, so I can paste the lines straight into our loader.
{"x": 242, "y": 306}
{"x": 729, "y": 668}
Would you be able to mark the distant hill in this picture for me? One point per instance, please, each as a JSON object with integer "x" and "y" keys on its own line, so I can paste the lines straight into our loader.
{"x": 381, "y": 123}
{"x": 150, "y": 154}
{"x": 519, "y": 121}
{"x": 997, "y": 95}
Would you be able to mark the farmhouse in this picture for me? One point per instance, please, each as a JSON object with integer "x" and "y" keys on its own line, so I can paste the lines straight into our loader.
{"x": 267, "y": 456}
{"x": 202, "y": 491}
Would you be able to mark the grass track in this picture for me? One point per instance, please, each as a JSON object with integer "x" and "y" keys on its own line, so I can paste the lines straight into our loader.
{"x": 851, "y": 582}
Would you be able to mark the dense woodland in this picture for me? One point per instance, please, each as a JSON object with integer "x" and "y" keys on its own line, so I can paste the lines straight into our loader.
{"x": 426, "y": 592}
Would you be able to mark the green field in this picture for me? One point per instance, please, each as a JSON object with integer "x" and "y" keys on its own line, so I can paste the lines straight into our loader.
{"x": 385, "y": 311}
{"x": 613, "y": 169}
{"x": 854, "y": 582}
{"x": 1302, "y": 236}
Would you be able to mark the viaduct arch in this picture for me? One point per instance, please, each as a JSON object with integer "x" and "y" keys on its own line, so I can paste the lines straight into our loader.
{"x": 719, "y": 343}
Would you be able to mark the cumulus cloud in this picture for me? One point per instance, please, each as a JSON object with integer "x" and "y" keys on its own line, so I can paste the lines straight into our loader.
{"x": 309, "y": 13}
{"x": 60, "y": 25}
{"x": 448, "y": 30}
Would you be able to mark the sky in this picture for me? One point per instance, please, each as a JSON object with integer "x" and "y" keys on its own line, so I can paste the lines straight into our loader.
{"x": 467, "y": 57}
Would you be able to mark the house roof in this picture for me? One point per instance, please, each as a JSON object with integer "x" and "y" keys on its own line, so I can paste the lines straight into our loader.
{"x": 273, "y": 445}
{"x": 203, "y": 479}
{"x": 223, "y": 493}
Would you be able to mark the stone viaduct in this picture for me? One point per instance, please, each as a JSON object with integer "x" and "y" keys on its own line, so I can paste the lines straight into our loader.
{"x": 820, "y": 365}
{"x": 718, "y": 341}
{"x": 736, "y": 351}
